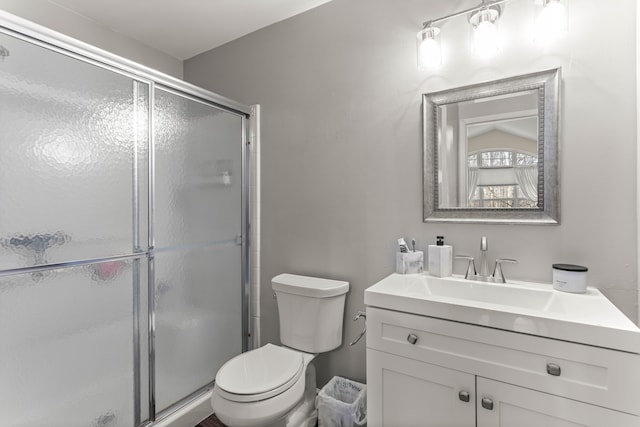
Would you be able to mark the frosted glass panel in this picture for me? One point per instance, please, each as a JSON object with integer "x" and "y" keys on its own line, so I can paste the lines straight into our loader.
{"x": 198, "y": 286}
{"x": 198, "y": 318}
{"x": 141, "y": 301}
{"x": 66, "y": 353}
{"x": 198, "y": 172}
{"x": 73, "y": 137}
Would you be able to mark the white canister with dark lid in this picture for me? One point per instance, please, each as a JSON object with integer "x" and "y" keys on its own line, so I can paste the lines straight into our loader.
{"x": 570, "y": 278}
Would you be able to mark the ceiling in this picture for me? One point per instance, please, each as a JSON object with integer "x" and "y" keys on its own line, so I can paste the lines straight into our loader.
{"x": 185, "y": 28}
{"x": 524, "y": 127}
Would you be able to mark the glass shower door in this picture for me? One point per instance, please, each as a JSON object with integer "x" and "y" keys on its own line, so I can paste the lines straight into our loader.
{"x": 121, "y": 264}
{"x": 73, "y": 142}
{"x": 197, "y": 260}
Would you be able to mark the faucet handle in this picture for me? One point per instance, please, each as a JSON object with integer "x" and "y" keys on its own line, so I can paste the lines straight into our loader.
{"x": 471, "y": 268}
{"x": 498, "y": 275}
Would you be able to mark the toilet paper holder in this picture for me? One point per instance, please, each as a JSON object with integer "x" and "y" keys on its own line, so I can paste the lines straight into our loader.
{"x": 364, "y": 329}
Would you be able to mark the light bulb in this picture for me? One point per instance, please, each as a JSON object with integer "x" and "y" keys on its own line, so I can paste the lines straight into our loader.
{"x": 552, "y": 21}
{"x": 486, "y": 37}
{"x": 429, "y": 52}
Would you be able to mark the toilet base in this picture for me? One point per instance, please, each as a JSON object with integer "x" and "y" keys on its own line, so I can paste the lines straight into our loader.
{"x": 305, "y": 413}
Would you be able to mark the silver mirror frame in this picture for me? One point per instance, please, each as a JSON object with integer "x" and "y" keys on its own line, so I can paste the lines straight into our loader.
{"x": 547, "y": 83}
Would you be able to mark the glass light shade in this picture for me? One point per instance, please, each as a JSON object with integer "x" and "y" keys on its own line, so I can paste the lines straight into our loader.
{"x": 552, "y": 21}
{"x": 428, "y": 45}
{"x": 486, "y": 37}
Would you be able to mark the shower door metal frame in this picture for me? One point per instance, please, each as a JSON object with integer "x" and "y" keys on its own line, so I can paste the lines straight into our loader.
{"x": 244, "y": 243}
{"x": 32, "y": 33}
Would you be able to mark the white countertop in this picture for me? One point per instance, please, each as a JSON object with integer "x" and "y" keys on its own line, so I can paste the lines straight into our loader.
{"x": 531, "y": 308}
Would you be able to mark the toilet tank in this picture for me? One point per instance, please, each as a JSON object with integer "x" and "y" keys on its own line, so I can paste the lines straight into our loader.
{"x": 311, "y": 311}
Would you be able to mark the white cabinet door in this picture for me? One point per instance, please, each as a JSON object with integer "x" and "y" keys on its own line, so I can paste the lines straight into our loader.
{"x": 505, "y": 405}
{"x": 408, "y": 393}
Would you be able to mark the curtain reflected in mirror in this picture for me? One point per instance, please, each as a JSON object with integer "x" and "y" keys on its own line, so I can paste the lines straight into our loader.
{"x": 502, "y": 164}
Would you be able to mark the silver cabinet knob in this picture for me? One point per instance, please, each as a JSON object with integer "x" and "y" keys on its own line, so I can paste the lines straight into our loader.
{"x": 464, "y": 396}
{"x": 487, "y": 403}
{"x": 412, "y": 338}
{"x": 553, "y": 369}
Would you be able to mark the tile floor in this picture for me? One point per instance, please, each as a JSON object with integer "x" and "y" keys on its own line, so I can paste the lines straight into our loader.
{"x": 212, "y": 421}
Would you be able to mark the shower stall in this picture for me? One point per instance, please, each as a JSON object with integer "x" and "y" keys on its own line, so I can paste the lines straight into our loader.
{"x": 124, "y": 276}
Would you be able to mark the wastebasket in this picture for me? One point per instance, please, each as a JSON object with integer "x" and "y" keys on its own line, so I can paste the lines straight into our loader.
{"x": 342, "y": 403}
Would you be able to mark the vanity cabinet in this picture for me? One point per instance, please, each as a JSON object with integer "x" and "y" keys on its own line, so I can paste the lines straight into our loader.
{"x": 505, "y": 405}
{"x": 406, "y": 392}
{"x": 424, "y": 371}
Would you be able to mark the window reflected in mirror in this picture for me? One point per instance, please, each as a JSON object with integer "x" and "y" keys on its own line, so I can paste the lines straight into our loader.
{"x": 502, "y": 164}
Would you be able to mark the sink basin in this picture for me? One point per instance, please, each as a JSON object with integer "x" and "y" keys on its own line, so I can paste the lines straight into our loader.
{"x": 489, "y": 293}
{"x": 531, "y": 308}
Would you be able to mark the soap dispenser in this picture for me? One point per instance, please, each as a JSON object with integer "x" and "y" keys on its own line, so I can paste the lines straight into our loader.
{"x": 440, "y": 258}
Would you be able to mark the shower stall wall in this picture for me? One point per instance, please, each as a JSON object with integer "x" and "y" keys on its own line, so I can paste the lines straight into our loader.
{"x": 123, "y": 223}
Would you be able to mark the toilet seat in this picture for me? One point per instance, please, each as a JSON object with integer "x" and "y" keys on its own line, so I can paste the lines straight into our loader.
{"x": 259, "y": 374}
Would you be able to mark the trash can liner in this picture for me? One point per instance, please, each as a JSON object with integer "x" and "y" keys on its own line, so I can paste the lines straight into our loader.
{"x": 342, "y": 403}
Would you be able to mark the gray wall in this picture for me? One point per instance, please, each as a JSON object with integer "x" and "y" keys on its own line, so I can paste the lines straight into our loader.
{"x": 341, "y": 144}
{"x": 50, "y": 15}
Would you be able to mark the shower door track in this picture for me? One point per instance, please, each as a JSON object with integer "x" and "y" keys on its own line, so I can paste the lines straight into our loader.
{"x": 52, "y": 40}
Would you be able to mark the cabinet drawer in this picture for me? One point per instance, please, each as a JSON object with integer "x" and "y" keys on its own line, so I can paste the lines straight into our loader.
{"x": 589, "y": 374}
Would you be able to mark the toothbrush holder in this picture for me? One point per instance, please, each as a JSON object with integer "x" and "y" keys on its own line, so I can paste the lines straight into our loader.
{"x": 409, "y": 262}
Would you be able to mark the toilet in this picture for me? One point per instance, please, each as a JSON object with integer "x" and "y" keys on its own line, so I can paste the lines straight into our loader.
{"x": 275, "y": 385}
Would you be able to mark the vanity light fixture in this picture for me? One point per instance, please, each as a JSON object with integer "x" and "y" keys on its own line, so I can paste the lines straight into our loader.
{"x": 428, "y": 44}
{"x": 552, "y": 21}
{"x": 484, "y": 18}
{"x": 486, "y": 38}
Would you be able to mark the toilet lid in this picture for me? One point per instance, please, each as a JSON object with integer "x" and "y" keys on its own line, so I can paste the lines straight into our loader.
{"x": 261, "y": 373}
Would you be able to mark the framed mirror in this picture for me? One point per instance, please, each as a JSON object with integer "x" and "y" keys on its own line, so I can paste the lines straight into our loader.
{"x": 491, "y": 151}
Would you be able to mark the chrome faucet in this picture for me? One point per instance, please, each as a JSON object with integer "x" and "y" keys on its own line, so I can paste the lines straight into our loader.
{"x": 484, "y": 262}
{"x": 483, "y": 275}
